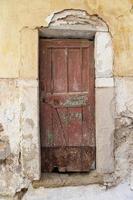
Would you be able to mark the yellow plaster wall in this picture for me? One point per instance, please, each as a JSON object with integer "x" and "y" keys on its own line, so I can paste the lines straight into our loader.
{"x": 17, "y": 16}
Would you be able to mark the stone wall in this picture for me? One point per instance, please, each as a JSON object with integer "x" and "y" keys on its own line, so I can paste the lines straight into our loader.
{"x": 19, "y": 23}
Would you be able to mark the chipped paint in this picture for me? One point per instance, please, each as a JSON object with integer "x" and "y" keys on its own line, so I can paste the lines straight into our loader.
{"x": 30, "y": 122}
{"x": 50, "y": 136}
{"x": 76, "y": 101}
{"x": 117, "y": 16}
{"x": 49, "y": 18}
{"x": 66, "y": 118}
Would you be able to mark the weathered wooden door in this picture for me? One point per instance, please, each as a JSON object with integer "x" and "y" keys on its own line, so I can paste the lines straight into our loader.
{"x": 67, "y": 105}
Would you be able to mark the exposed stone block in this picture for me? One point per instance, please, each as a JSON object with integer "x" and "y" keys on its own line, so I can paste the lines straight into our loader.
{"x": 105, "y": 130}
{"x": 104, "y": 82}
{"x": 131, "y": 180}
{"x": 124, "y": 96}
{"x": 90, "y": 192}
{"x": 49, "y": 180}
{"x": 4, "y": 150}
{"x": 10, "y": 113}
{"x": 30, "y": 136}
{"x": 77, "y": 19}
{"x": 103, "y": 55}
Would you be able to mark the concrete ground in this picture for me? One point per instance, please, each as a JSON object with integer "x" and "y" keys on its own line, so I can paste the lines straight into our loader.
{"x": 91, "y": 192}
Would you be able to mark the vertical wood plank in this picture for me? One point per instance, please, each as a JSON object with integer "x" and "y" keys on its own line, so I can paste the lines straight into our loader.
{"x": 74, "y": 70}
{"x": 89, "y": 83}
{"x": 88, "y": 137}
{"x": 60, "y": 127}
{"x": 59, "y": 66}
{"x": 85, "y": 69}
{"x": 75, "y": 126}
{"x": 91, "y": 93}
{"x": 47, "y": 136}
{"x": 45, "y": 69}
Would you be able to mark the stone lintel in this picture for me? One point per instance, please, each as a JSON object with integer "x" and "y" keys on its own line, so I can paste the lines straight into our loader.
{"x": 103, "y": 55}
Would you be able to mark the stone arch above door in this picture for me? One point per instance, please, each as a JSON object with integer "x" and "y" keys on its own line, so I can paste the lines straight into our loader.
{"x": 77, "y": 18}
{"x": 70, "y": 20}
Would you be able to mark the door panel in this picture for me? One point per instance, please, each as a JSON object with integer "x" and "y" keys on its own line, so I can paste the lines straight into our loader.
{"x": 59, "y": 69}
{"x": 85, "y": 70}
{"x": 45, "y": 72}
{"x": 74, "y": 70}
{"x": 67, "y": 105}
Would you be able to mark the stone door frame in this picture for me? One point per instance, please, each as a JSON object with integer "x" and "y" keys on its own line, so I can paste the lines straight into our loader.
{"x": 104, "y": 105}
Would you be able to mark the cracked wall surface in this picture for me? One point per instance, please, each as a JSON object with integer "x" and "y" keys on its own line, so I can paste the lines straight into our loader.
{"x": 19, "y": 23}
{"x": 16, "y": 15}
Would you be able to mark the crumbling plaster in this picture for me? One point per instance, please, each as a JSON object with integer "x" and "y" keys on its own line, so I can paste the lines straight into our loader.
{"x": 19, "y": 25}
{"x": 15, "y": 16}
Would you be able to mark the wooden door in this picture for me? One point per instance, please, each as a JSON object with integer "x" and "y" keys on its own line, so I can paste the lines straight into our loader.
{"x": 67, "y": 105}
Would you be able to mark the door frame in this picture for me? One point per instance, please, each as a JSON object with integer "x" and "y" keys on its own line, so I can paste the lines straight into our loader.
{"x": 104, "y": 83}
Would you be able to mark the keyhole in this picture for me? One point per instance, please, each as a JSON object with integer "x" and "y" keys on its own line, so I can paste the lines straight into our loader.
{"x": 44, "y": 101}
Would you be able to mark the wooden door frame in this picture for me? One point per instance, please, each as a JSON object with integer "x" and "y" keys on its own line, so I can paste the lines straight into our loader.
{"x": 104, "y": 90}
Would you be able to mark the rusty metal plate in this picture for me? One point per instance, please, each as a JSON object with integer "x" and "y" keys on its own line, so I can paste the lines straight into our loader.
{"x": 66, "y": 100}
{"x": 68, "y": 159}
